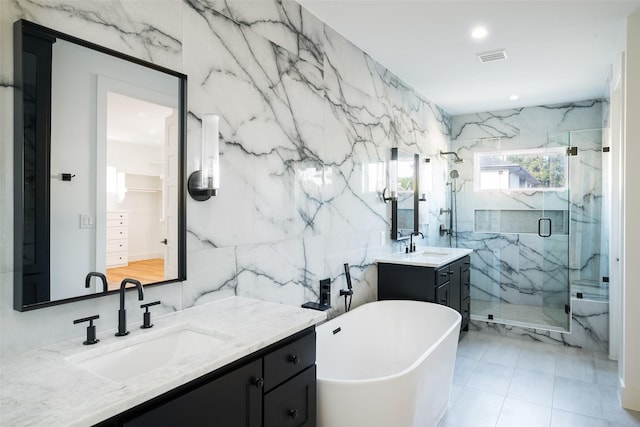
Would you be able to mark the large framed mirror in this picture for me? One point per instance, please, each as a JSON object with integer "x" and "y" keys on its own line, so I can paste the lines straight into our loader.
{"x": 99, "y": 166}
{"x": 404, "y": 206}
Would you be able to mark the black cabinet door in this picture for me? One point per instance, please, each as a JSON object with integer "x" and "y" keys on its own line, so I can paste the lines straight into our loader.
{"x": 397, "y": 281}
{"x": 443, "y": 294}
{"x": 232, "y": 400}
{"x": 292, "y": 404}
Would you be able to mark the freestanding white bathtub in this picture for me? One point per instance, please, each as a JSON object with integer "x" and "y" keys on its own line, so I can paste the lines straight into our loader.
{"x": 386, "y": 364}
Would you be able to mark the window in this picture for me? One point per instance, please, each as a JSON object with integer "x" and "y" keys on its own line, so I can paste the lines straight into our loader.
{"x": 543, "y": 169}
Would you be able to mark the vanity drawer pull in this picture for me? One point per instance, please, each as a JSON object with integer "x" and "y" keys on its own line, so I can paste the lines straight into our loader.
{"x": 295, "y": 359}
{"x": 293, "y": 414}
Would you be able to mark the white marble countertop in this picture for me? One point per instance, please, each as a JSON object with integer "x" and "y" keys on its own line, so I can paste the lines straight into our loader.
{"x": 42, "y": 387}
{"x": 426, "y": 256}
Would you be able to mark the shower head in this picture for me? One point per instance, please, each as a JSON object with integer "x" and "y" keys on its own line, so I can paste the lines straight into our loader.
{"x": 454, "y": 174}
{"x": 456, "y": 159}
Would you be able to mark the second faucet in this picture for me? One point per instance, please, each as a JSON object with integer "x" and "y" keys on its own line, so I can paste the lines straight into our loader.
{"x": 412, "y": 246}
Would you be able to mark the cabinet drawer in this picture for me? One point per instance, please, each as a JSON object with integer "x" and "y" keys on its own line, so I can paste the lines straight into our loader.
{"x": 466, "y": 283}
{"x": 466, "y": 307}
{"x": 442, "y": 294}
{"x": 117, "y": 223}
{"x": 442, "y": 275}
{"x": 466, "y": 313}
{"x": 117, "y": 233}
{"x": 117, "y": 215}
{"x": 293, "y": 404}
{"x": 117, "y": 259}
{"x": 289, "y": 360}
{"x": 117, "y": 245}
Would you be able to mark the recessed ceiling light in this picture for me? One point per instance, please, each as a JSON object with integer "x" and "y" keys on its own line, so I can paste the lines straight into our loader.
{"x": 479, "y": 32}
{"x": 514, "y": 97}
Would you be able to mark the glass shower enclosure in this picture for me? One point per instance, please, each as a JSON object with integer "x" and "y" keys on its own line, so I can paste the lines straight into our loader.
{"x": 522, "y": 209}
{"x": 533, "y": 217}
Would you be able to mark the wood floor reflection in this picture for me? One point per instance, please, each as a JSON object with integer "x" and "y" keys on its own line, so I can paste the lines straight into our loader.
{"x": 146, "y": 271}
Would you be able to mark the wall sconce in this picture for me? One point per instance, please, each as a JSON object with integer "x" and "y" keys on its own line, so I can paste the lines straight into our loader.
{"x": 204, "y": 183}
{"x": 424, "y": 184}
{"x": 393, "y": 178}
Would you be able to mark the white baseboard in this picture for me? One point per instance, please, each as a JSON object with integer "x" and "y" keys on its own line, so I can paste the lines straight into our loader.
{"x": 630, "y": 398}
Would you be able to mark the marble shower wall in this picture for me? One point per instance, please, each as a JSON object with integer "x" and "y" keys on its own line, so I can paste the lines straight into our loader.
{"x": 589, "y": 328}
{"x": 522, "y": 268}
{"x": 307, "y": 123}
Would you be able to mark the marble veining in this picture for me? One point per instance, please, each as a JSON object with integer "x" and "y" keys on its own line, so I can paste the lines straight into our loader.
{"x": 120, "y": 25}
{"x": 307, "y": 123}
{"x": 43, "y": 387}
{"x": 282, "y": 22}
{"x": 589, "y": 326}
{"x": 517, "y": 267}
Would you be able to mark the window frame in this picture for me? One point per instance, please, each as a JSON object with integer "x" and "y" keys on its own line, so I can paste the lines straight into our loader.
{"x": 477, "y": 170}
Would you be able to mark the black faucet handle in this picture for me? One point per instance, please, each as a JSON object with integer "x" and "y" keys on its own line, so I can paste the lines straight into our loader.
{"x": 149, "y": 304}
{"x": 91, "y": 329}
{"x": 146, "y": 316}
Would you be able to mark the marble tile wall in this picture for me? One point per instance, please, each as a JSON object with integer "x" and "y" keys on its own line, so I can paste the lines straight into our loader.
{"x": 589, "y": 328}
{"x": 508, "y": 266}
{"x": 307, "y": 123}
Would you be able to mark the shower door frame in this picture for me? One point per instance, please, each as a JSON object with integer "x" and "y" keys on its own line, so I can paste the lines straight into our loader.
{"x": 540, "y": 251}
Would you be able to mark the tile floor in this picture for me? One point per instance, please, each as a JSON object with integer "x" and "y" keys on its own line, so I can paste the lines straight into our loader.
{"x": 508, "y": 382}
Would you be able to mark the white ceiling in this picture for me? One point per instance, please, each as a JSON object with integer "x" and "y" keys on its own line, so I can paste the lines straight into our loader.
{"x": 558, "y": 51}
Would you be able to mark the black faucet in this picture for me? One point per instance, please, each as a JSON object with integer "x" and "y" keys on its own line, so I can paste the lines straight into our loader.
{"x": 412, "y": 247}
{"x": 87, "y": 280}
{"x": 122, "y": 313}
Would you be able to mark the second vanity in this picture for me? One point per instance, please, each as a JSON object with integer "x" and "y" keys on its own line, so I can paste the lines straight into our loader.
{"x": 234, "y": 361}
{"x": 432, "y": 274}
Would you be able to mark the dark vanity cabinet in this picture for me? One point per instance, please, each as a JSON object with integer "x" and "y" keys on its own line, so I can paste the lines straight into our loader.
{"x": 447, "y": 285}
{"x": 234, "y": 399}
{"x": 273, "y": 387}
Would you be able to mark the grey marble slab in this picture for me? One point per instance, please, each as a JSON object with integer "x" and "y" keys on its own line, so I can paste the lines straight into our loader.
{"x": 426, "y": 256}
{"x": 44, "y": 387}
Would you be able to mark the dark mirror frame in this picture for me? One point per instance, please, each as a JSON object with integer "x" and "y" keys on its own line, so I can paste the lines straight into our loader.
{"x": 33, "y": 279}
{"x": 416, "y": 205}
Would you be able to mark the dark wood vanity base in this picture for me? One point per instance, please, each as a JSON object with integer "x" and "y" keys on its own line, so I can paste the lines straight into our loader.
{"x": 447, "y": 285}
{"x": 275, "y": 386}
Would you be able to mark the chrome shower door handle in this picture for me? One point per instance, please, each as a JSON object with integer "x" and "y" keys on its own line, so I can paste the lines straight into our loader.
{"x": 540, "y": 220}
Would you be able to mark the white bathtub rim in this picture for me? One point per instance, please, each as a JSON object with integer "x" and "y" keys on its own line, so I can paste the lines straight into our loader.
{"x": 411, "y": 367}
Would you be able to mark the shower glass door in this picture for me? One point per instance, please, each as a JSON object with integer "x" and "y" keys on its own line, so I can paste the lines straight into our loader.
{"x": 553, "y": 231}
{"x": 521, "y": 216}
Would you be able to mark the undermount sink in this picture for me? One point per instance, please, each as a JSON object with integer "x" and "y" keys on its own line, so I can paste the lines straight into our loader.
{"x": 435, "y": 253}
{"x": 142, "y": 357}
